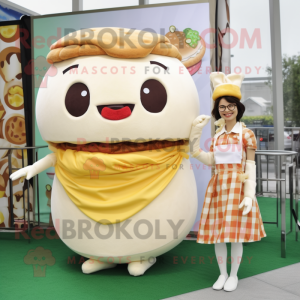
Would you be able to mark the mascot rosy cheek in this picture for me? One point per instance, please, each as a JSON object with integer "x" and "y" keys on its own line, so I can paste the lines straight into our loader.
{"x": 117, "y": 117}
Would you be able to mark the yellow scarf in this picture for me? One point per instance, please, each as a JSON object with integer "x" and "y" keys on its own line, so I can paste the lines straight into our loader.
{"x": 110, "y": 188}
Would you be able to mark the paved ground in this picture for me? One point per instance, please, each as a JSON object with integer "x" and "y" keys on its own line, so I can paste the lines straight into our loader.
{"x": 279, "y": 284}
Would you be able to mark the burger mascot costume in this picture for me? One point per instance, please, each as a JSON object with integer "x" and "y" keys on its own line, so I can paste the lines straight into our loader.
{"x": 230, "y": 211}
{"x": 117, "y": 117}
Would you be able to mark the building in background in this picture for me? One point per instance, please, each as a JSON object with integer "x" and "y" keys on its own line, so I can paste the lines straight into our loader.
{"x": 255, "y": 87}
{"x": 257, "y": 97}
{"x": 257, "y": 106}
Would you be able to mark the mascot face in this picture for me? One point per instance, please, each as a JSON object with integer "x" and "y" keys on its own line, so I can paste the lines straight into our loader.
{"x": 106, "y": 99}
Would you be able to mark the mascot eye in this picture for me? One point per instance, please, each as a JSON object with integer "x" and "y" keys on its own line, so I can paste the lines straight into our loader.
{"x": 77, "y": 99}
{"x": 153, "y": 96}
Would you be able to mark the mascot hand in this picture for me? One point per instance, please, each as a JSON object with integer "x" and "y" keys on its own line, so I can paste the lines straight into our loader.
{"x": 28, "y": 171}
{"x": 247, "y": 202}
{"x": 201, "y": 121}
{"x": 38, "y": 167}
{"x": 195, "y": 135}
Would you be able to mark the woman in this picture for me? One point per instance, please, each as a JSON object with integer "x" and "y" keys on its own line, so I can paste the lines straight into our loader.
{"x": 230, "y": 211}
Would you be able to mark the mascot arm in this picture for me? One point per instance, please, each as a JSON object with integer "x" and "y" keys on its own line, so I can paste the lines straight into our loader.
{"x": 38, "y": 167}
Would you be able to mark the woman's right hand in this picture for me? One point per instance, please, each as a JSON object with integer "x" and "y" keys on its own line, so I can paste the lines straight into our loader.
{"x": 201, "y": 121}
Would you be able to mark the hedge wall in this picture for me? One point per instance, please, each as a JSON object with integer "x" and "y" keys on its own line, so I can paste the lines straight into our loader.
{"x": 266, "y": 120}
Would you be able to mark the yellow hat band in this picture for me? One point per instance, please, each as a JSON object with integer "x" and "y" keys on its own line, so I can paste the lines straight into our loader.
{"x": 227, "y": 90}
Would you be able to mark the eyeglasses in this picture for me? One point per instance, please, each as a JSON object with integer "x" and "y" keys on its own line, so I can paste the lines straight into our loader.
{"x": 230, "y": 107}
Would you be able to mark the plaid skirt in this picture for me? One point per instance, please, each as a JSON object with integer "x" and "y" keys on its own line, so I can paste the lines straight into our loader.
{"x": 221, "y": 219}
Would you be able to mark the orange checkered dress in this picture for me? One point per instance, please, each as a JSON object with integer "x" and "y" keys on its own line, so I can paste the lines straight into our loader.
{"x": 221, "y": 219}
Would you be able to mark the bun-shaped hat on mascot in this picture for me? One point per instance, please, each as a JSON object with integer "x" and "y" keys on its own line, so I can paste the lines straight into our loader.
{"x": 229, "y": 85}
{"x": 112, "y": 41}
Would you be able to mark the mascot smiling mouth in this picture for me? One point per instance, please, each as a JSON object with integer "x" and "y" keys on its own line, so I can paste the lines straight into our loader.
{"x": 115, "y": 111}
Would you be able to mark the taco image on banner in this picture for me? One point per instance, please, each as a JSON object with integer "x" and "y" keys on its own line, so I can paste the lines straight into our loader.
{"x": 190, "y": 45}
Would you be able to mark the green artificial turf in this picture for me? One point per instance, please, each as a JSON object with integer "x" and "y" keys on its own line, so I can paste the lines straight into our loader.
{"x": 188, "y": 267}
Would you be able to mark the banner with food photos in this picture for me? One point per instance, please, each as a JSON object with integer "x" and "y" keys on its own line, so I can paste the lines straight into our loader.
{"x": 12, "y": 127}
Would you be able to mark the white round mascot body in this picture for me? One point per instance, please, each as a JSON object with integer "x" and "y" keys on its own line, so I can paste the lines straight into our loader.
{"x": 134, "y": 202}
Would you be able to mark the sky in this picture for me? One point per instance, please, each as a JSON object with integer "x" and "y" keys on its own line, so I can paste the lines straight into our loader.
{"x": 249, "y": 15}
{"x": 252, "y": 14}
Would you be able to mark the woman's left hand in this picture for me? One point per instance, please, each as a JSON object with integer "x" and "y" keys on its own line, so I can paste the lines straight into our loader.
{"x": 247, "y": 202}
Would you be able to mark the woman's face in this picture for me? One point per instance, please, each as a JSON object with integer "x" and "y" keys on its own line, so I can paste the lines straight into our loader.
{"x": 230, "y": 111}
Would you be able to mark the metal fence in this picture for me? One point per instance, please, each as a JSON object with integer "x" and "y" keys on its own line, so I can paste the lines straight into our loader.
{"x": 266, "y": 163}
{"x": 285, "y": 174}
{"x": 265, "y": 138}
{"x": 280, "y": 177}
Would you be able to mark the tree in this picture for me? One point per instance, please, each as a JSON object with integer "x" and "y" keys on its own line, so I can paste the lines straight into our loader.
{"x": 291, "y": 87}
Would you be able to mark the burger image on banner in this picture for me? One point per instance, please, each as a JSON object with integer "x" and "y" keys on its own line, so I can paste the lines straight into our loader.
{"x": 190, "y": 45}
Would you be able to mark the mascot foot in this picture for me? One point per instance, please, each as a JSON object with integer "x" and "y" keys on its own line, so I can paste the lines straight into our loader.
{"x": 138, "y": 268}
{"x": 231, "y": 284}
{"x": 91, "y": 266}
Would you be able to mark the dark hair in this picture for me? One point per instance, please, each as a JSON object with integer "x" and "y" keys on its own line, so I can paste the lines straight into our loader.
{"x": 240, "y": 107}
